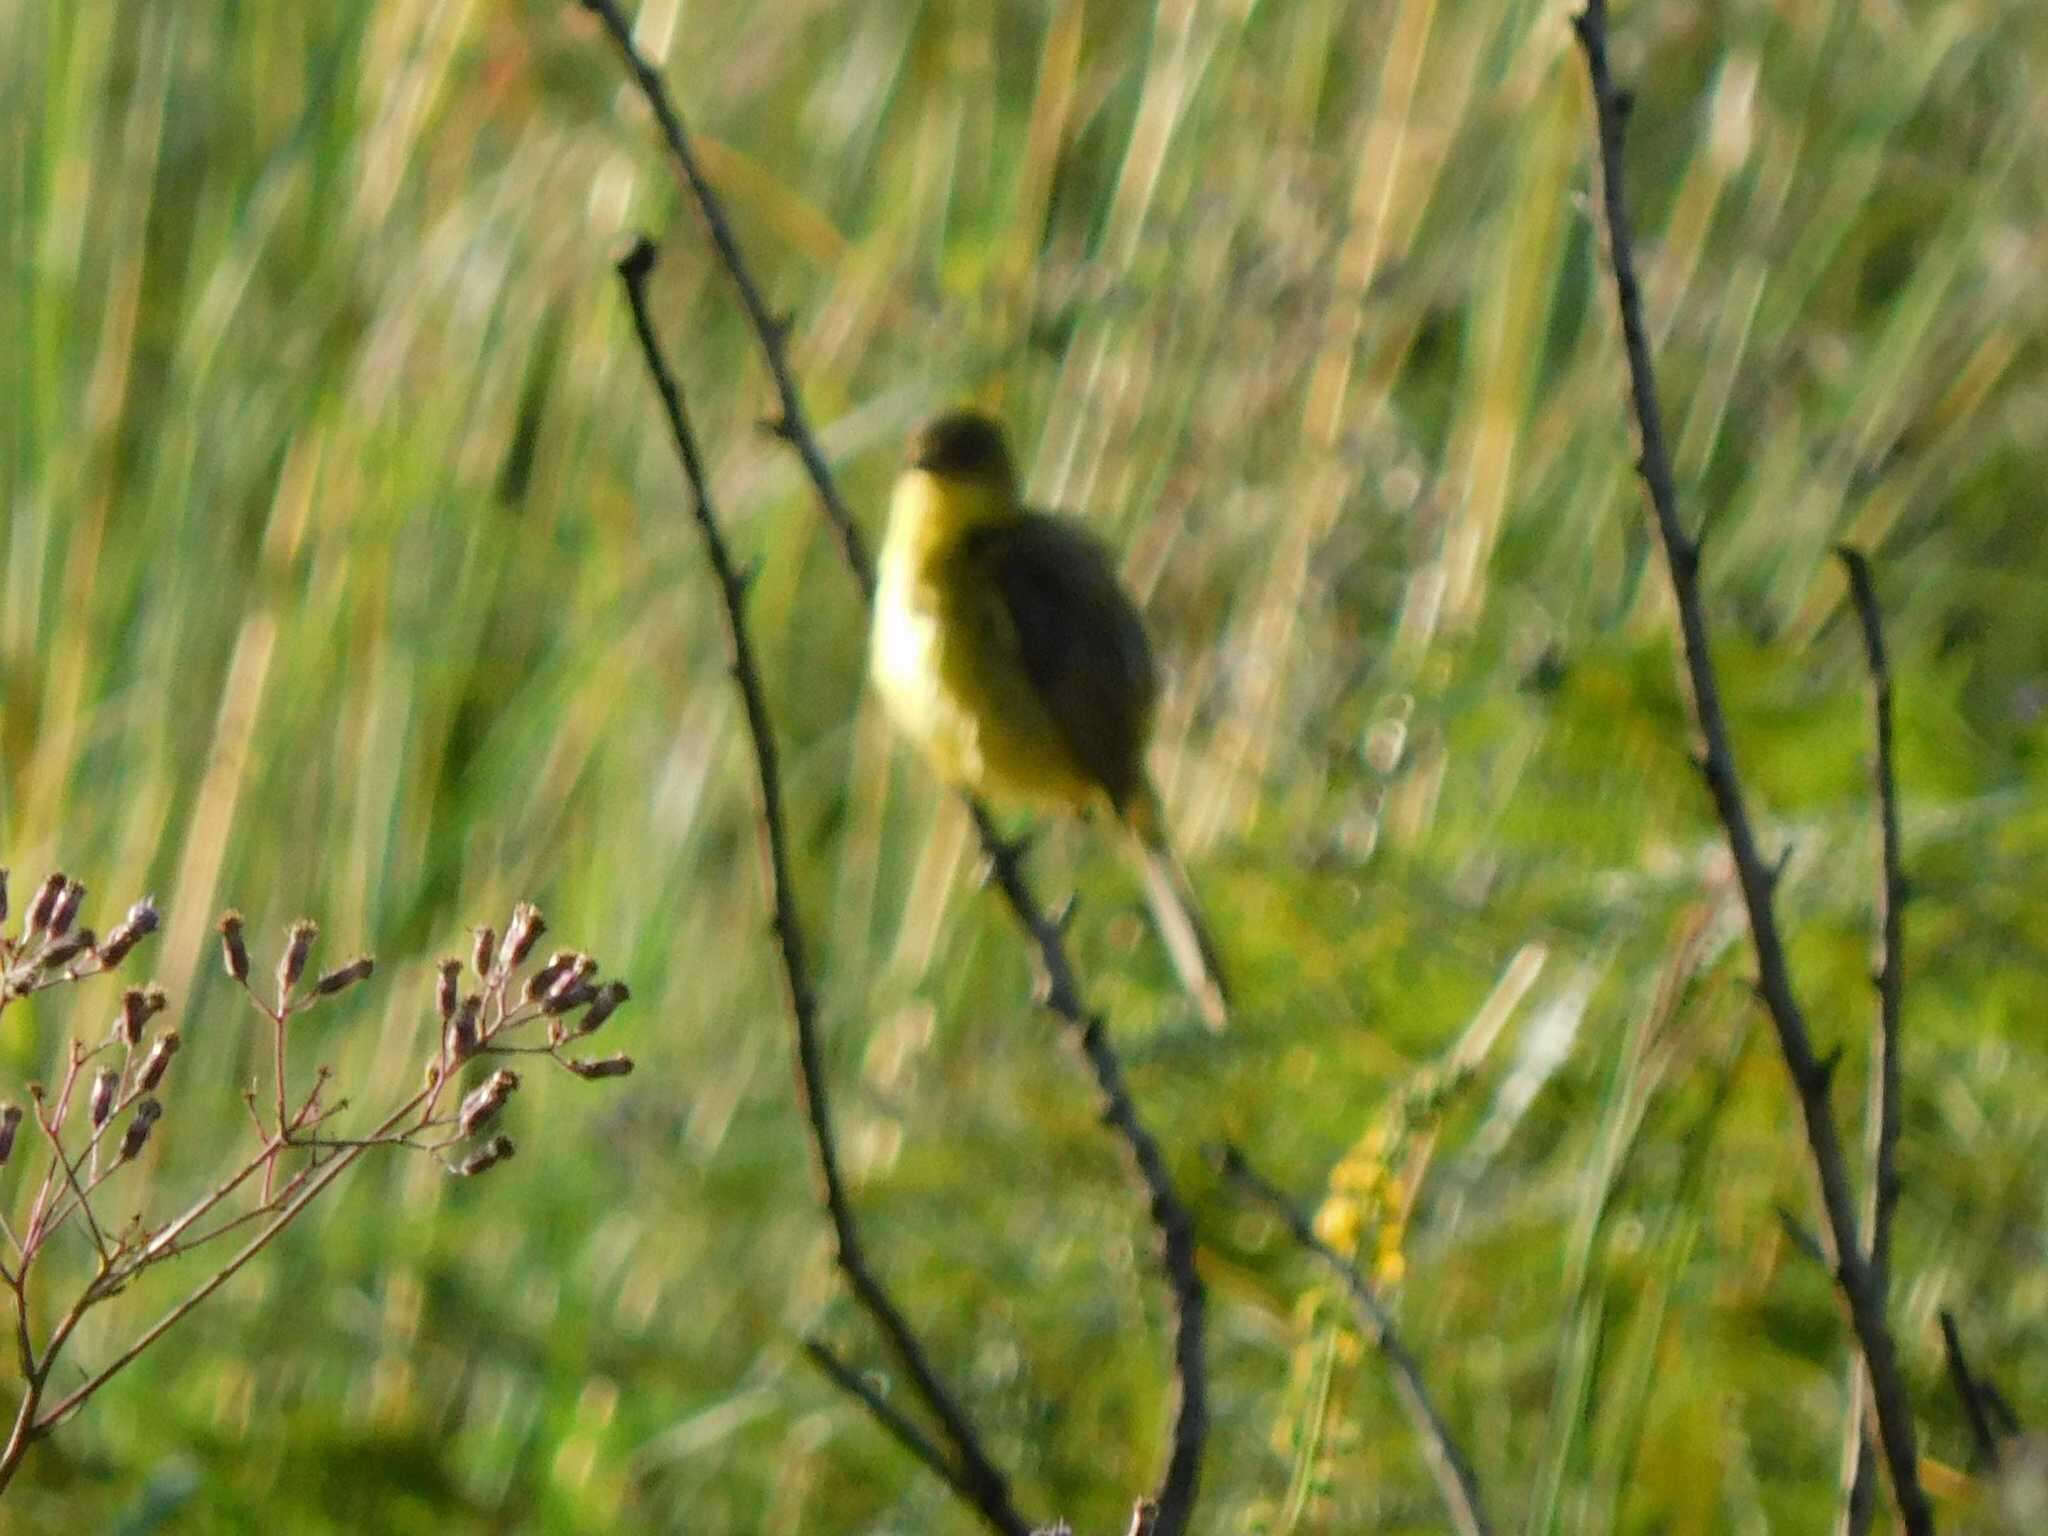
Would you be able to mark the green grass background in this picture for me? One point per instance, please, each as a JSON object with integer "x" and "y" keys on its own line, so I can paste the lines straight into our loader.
{"x": 344, "y": 570}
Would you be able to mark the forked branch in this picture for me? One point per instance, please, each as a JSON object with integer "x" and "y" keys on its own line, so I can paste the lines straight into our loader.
{"x": 968, "y": 1468}
{"x": 1175, "y": 1497}
{"x": 792, "y": 426}
{"x": 1862, "y": 1294}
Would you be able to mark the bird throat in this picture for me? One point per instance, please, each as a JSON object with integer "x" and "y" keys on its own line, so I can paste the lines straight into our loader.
{"x": 930, "y": 514}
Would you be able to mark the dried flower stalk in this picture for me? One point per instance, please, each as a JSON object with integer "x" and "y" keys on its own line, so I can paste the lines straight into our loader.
{"x": 105, "y": 1110}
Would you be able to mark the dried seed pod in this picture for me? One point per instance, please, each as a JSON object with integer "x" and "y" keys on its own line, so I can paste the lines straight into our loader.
{"x": 45, "y": 902}
{"x": 10, "y": 1122}
{"x": 568, "y": 995}
{"x": 142, "y": 920}
{"x": 64, "y": 951}
{"x": 462, "y": 1032}
{"x": 540, "y": 981}
{"x": 298, "y": 945}
{"x": 158, "y": 1061}
{"x": 346, "y": 976}
{"x": 481, "y": 1105}
{"x": 447, "y": 989}
{"x": 481, "y": 952}
{"x": 138, "y": 1006}
{"x": 234, "y": 952}
{"x": 581, "y": 969}
{"x": 147, "y": 1113}
{"x": 593, "y": 1068}
{"x": 129, "y": 1021}
{"x": 521, "y": 934}
{"x": 104, "y": 1083}
{"x": 487, "y": 1156}
{"x": 66, "y": 908}
{"x": 607, "y": 1002}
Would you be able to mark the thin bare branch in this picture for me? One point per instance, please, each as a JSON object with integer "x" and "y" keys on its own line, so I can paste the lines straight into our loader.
{"x": 1455, "y": 1479}
{"x": 891, "y": 1418}
{"x": 1891, "y": 890}
{"x": 1862, "y": 1296}
{"x": 1180, "y": 1480}
{"x": 1882, "y": 1114}
{"x": 792, "y": 426}
{"x": 977, "y": 1477}
{"x": 1176, "y": 1229}
{"x": 1970, "y": 1392}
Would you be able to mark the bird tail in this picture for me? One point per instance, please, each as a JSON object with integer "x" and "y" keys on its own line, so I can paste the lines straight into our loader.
{"x": 1174, "y": 909}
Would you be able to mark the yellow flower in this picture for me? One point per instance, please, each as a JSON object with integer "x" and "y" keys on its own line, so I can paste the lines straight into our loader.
{"x": 1338, "y": 1223}
{"x": 1356, "y": 1175}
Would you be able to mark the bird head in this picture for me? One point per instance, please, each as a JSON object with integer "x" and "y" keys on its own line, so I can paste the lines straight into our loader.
{"x": 964, "y": 446}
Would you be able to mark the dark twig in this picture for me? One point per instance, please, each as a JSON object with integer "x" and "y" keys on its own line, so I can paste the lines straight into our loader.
{"x": 773, "y": 330}
{"x": 1891, "y": 887}
{"x": 1178, "y": 1484}
{"x": 1971, "y": 1391}
{"x": 1859, "y": 1458}
{"x": 971, "y": 1472}
{"x": 1882, "y": 1114}
{"x": 1801, "y": 1235}
{"x": 1455, "y": 1479}
{"x": 1861, "y": 1295}
{"x": 908, "y": 1435}
{"x": 1176, "y": 1228}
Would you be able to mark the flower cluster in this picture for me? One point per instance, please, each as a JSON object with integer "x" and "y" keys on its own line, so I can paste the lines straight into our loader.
{"x": 101, "y": 1115}
{"x": 54, "y": 947}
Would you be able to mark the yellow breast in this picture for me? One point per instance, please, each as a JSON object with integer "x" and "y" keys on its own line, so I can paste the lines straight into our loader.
{"x": 943, "y": 655}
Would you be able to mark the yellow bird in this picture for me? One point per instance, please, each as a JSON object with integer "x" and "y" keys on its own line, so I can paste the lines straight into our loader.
{"x": 1006, "y": 648}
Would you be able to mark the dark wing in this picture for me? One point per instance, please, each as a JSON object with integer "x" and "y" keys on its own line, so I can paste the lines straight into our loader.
{"x": 1081, "y": 641}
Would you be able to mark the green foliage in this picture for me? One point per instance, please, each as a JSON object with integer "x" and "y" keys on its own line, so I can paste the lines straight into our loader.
{"x": 342, "y": 570}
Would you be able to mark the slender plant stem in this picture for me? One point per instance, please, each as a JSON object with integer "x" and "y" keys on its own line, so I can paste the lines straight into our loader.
{"x": 1859, "y": 1484}
{"x": 79, "y": 1201}
{"x": 170, "y": 1234}
{"x": 1862, "y": 1297}
{"x": 40, "y": 1207}
{"x": 1448, "y": 1463}
{"x": 19, "y": 1435}
{"x": 971, "y": 1471}
{"x": 286, "y": 1215}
